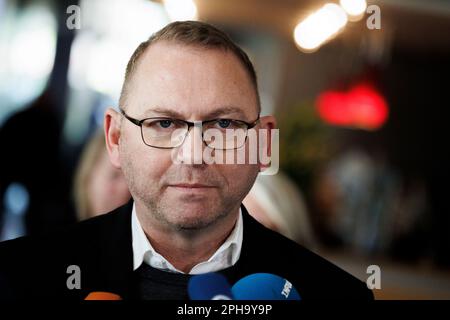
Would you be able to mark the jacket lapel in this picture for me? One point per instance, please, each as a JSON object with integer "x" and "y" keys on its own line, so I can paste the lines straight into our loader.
{"x": 116, "y": 260}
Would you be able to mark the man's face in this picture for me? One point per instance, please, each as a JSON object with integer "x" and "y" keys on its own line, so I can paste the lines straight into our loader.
{"x": 193, "y": 84}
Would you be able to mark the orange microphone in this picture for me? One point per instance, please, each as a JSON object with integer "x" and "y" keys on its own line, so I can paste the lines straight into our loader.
{"x": 101, "y": 295}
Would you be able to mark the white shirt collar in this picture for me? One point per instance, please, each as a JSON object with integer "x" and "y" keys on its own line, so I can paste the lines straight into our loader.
{"x": 226, "y": 256}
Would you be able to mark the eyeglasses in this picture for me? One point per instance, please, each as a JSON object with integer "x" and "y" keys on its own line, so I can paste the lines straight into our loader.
{"x": 168, "y": 133}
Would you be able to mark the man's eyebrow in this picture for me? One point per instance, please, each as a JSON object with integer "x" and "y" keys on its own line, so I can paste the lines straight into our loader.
{"x": 225, "y": 111}
{"x": 163, "y": 112}
{"x": 214, "y": 114}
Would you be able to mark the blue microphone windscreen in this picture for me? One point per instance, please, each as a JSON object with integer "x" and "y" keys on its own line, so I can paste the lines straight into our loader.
{"x": 209, "y": 286}
{"x": 264, "y": 286}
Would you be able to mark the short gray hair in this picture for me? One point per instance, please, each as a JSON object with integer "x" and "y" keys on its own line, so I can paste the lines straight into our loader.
{"x": 194, "y": 33}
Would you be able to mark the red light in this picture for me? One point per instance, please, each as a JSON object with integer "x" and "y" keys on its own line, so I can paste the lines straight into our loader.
{"x": 361, "y": 107}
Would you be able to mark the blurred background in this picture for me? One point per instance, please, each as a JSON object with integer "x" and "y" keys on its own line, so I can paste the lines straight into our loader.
{"x": 359, "y": 90}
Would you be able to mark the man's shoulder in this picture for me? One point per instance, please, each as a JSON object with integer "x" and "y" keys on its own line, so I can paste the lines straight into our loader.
{"x": 317, "y": 276}
{"x": 37, "y": 265}
{"x": 83, "y": 241}
{"x": 84, "y": 232}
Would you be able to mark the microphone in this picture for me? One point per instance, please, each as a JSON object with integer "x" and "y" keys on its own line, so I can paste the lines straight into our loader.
{"x": 101, "y": 295}
{"x": 209, "y": 286}
{"x": 264, "y": 286}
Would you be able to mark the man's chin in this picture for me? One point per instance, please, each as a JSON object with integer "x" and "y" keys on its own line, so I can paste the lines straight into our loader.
{"x": 189, "y": 216}
{"x": 188, "y": 223}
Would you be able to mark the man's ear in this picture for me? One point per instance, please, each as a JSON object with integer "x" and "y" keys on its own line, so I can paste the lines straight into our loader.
{"x": 112, "y": 135}
{"x": 268, "y": 123}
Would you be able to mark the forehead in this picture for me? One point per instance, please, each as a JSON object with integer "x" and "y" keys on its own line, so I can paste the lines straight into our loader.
{"x": 191, "y": 80}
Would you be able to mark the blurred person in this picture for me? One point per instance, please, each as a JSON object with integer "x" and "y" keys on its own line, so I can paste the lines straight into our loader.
{"x": 186, "y": 216}
{"x": 99, "y": 186}
{"x": 358, "y": 193}
{"x": 31, "y": 158}
{"x": 277, "y": 203}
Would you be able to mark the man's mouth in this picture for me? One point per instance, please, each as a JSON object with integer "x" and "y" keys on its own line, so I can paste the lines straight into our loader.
{"x": 192, "y": 190}
{"x": 191, "y": 186}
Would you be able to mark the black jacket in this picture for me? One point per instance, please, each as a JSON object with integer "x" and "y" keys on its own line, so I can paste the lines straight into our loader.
{"x": 102, "y": 248}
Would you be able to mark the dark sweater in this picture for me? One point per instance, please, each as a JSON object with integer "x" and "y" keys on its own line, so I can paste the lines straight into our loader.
{"x": 153, "y": 284}
{"x": 102, "y": 248}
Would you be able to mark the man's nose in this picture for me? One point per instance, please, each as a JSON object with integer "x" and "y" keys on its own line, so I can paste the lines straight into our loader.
{"x": 191, "y": 150}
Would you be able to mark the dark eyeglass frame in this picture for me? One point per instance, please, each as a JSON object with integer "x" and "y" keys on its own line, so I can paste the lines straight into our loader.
{"x": 190, "y": 124}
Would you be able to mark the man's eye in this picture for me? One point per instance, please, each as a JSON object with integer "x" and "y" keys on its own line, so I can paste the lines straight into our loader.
{"x": 224, "y": 123}
{"x": 165, "y": 123}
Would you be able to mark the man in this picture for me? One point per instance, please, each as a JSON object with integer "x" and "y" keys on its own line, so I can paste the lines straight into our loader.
{"x": 186, "y": 215}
